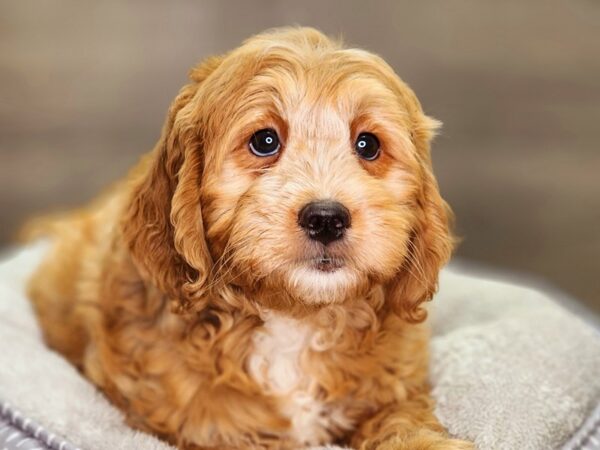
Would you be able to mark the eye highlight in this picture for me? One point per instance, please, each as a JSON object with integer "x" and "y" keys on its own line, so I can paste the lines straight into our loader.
{"x": 264, "y": 143}
{"x": 367, "y": 146}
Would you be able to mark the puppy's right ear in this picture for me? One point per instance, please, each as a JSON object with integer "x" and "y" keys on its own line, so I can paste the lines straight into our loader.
{"x": 162, "y": 225}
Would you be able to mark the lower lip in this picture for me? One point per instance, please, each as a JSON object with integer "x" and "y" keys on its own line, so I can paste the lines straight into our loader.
{"x": 327, "y": 265}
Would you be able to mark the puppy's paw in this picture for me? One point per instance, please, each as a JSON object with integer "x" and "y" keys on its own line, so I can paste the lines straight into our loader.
{"x": 424, "y": 441}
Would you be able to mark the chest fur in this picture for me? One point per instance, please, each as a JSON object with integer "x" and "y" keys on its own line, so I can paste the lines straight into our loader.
{"x": 280, "y": 364}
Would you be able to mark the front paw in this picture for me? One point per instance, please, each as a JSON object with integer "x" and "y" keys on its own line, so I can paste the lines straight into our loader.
{"x": 424, "y": 442}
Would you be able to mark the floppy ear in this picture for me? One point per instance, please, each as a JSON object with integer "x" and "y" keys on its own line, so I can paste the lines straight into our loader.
{"x": 431, "y": 242}
{"x": 162, "y": 225}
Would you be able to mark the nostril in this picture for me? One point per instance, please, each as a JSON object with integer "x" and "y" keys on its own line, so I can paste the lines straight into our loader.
{"x": 338, "y": 223}
{"x": 315, "y": 225}
{"x": 315, "y": 222}
{"x": 324, "y": 221}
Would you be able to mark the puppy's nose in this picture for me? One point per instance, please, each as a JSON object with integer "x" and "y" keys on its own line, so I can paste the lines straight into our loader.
{"x": 324, "y": 221}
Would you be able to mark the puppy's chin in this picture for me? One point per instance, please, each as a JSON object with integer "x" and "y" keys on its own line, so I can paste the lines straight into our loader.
{"x": 323, "y": 282}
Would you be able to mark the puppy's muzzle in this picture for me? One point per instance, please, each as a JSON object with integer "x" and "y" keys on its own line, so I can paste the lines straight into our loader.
{"x": 324, "y": 221}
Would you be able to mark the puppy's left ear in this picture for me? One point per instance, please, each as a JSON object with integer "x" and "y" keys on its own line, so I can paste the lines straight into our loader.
{"x": 431, "y": 242}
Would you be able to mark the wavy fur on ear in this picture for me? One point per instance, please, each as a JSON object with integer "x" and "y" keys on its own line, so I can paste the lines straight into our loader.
{"x": 431, "y": 243}
{"x": 163, "y": 224}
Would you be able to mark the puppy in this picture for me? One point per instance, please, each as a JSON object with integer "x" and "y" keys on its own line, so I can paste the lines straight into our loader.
{"x": 257, "y": 281}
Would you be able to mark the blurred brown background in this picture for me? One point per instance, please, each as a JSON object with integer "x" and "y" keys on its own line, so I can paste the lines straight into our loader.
{"x": 84, "y": 87}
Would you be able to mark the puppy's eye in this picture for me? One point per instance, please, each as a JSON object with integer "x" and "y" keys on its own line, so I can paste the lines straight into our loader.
{"x": 264, "y": 142}
{"x": 367, "y": 146}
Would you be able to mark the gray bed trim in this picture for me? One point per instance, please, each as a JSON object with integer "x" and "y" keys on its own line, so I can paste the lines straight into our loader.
{"x": 588, "y": 435}
{"x": 25, "y": 431}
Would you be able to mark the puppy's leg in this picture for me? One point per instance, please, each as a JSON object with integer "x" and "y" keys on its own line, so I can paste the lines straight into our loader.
{"x": 228, "y": 418}
{"x": 407, "y": 425}
{"x": 53, "y": 290}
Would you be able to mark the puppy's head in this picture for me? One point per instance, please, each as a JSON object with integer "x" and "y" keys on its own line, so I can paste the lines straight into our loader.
{"x": 296, "y": 174}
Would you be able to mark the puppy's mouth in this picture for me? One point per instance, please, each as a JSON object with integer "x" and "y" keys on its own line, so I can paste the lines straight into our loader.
{"x": 326, "y": 263}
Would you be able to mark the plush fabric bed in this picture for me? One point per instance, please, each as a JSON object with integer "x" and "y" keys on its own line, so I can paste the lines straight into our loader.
{"x": 510, "y": 368}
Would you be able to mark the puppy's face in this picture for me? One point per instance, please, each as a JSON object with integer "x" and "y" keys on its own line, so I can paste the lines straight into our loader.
{"x": 315, "y": 177}
{"x": 309, "y": 190}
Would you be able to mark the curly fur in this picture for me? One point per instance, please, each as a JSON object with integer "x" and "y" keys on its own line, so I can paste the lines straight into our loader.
{"x": 186, "y": 292}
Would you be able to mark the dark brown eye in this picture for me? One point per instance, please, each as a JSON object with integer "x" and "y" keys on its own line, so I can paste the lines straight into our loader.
{"x": 264, "y": 142}
{"x": 367, "y": 146}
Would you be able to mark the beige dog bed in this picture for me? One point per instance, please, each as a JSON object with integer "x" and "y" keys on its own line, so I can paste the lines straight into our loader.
{"x": 510, "y": 369}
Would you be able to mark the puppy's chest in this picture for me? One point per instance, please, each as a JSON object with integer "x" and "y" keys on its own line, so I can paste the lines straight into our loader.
{"x": 279, "y": 363}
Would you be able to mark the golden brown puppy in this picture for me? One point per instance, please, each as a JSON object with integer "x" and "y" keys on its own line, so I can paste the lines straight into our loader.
{"x": 257, "y": 280}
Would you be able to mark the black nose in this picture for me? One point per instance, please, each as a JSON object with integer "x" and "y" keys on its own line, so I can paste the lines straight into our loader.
{"x": 324, "y": 221}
